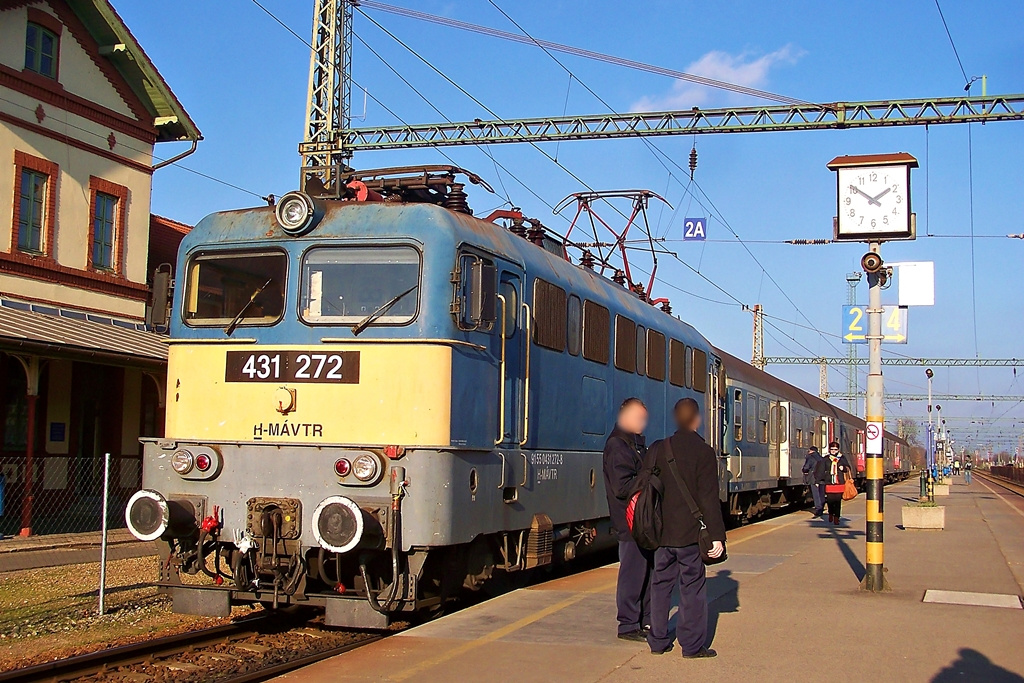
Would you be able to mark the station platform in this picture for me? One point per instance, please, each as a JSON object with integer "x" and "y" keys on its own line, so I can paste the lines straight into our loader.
{"x": 786, "y": 606}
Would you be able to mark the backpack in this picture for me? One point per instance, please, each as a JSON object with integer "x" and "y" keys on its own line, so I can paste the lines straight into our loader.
{"x": 643, "y": 511}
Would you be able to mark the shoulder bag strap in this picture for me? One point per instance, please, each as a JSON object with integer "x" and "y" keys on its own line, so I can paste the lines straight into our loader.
{"x": 683, "y": 488}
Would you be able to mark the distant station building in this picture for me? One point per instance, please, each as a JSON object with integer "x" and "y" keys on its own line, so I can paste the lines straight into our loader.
{"x": 81, "y": 370}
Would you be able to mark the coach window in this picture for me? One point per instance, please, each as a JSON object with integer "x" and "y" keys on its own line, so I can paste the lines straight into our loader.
{"x": 699, "y": 369}
{"x": 641, "y": 350}
{"x": 737, "y": 416}
{"x": 549, "y": 315}
{"x": 656, "y": 355}
{"x": 625, "y": 344}
{"x": 751, "y": 417}
{"x": 762, "y": 420}
{"x": 574, "y": 324}
{"x": 596, "y": 332}
{"x": 677, "y": 363}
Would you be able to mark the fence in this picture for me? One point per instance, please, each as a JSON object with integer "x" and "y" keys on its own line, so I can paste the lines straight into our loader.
{"x": 1009, "y": 472}
{"x": 64, "y": 494}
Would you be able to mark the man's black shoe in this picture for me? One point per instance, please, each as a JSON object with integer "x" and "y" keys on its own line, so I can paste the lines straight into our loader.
{"x": 703, "y": 653}
{"x": 638, "y": 636}
{"x": 668, "y": 648}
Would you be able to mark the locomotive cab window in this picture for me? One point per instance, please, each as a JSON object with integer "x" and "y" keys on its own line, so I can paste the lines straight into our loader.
{"x": 344, "y": 285}
{"x": 223, "y": 286}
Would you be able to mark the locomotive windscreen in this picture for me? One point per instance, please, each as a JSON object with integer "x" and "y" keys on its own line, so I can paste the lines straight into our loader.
{"x": 344, "y": 285}
{"x": 223, "y": 285}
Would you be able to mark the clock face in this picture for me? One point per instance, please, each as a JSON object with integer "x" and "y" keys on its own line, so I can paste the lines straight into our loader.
{"x": 874, "y": 201}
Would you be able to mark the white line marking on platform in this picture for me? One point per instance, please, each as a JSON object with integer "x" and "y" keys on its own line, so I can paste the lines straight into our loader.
{"x": 975, "y": 599}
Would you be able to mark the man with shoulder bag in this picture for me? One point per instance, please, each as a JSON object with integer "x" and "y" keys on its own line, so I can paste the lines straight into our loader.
{"x": 623, "y": 458}
{"x": 692, "y": 534}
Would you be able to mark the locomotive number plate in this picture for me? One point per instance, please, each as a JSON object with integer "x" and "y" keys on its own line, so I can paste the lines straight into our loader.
{"x": 338, "y": 367}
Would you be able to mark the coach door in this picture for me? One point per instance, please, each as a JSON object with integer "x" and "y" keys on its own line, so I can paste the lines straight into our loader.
{"x": 773, "y": 439}
{"x": 513, "y": 364}
{"x": 783, "y": 433}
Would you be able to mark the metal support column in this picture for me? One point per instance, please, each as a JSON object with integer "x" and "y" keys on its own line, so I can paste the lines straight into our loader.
{"x": 874, "y": 578}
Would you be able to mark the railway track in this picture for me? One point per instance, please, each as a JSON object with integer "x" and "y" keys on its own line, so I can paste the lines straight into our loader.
{"x": 1007, "y": 484}
{"x": 253, "y": 649}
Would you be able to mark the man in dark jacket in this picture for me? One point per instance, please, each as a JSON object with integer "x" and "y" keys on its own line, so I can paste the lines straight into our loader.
{"x": 678, "y": 559}
{"x": 623, "y": 457}
{"x": 810, "y": 463}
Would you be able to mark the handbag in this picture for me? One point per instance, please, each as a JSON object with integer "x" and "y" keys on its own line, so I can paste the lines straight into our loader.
{"x": 849, "y": 489}
{"x": 703, "y": 535}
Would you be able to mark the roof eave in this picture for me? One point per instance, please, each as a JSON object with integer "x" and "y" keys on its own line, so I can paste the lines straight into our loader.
{"x": 170, "y": 119}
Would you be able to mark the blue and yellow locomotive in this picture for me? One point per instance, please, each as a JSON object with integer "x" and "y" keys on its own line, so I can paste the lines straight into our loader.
{"x": 377, "y": 401}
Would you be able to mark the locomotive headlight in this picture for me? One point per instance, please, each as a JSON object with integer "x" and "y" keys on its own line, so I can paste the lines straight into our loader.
{"x": 297, "y": 213}
{"x": 182, "y": 462}
{"x": 147, "y": 515}
{"x": 365, "y": 467}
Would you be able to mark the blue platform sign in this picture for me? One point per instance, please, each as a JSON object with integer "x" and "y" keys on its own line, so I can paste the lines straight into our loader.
{"x": 894, "y": 324}
{"x": 695, "y": 229}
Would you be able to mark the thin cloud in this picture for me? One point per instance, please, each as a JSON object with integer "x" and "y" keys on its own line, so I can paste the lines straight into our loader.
{"x": 742, "y": 69}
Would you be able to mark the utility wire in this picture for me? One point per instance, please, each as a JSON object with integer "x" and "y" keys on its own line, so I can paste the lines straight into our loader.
{"x": 655, "y": 151}
{"x": 951, "y": 43}
{"x": 149, "y": 152}
{"x": 580, "y": 52}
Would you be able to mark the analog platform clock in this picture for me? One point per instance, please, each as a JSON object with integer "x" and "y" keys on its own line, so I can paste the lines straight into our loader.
{"x": 873, "y": 193}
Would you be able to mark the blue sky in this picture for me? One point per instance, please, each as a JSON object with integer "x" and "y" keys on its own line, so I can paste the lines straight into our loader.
{"x": 243, "y": 79}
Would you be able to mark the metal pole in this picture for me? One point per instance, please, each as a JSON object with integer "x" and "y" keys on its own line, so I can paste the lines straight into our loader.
{"x": 874, "y": 578}
{"x": 103, "y": 534}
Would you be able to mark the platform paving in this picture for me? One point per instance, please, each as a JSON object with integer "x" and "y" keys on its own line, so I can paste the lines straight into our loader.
{"x": 785, "y": 607}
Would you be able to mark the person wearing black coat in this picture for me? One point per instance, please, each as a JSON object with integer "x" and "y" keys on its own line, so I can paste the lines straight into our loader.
{"x": 832, "y": 471}
{"x": 817, "y": 491}
{"x": 623, "y": 457}
{"x": 678, "y": 560}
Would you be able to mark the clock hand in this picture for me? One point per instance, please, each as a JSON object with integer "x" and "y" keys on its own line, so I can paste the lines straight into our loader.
{"x": 871, "y": 200}
{"x": 882, "y": 194}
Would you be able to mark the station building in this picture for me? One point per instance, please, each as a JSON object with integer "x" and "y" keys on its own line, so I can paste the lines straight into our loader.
{"x": 82, "y": 367}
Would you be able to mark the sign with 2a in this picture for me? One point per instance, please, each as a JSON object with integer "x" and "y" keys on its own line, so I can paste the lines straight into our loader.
{"x": 695, "y": 229}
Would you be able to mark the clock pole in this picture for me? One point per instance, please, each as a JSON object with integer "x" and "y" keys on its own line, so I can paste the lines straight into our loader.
{"x": 874, "y": 578}
{"x": 873, "y": 206}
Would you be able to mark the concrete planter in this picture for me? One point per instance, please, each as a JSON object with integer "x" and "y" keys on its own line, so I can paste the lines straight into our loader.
{"x": 942, "y": 489}
{"x": 916, "y": 517}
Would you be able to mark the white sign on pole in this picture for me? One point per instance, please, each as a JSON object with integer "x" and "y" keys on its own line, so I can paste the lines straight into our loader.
{"x": 916, "y": 283}
{"x": 874, "y": 434}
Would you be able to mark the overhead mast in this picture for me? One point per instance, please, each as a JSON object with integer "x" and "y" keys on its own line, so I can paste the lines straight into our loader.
{"x": 328, "y": 99}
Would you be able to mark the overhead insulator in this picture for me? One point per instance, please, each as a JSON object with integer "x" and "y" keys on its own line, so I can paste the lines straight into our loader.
{"x": 693, "y": 161}
{"x": 587, "y": 260}
{"x": 457, "y": 199}
{"x": 518, "y": 227}
{"x": 619, "y": 278}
